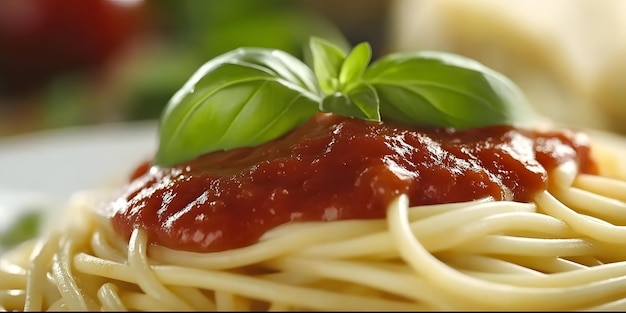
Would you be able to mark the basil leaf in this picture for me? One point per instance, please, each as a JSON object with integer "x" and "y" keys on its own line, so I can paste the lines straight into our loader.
{"x": 354, "y": 66}
{"x": 340, "y": 78}
{"x": 443, "y": 89}
{"x": 360, "y": 102}
{"x": 242, "y": 98}
{"x": 327, "y": 62}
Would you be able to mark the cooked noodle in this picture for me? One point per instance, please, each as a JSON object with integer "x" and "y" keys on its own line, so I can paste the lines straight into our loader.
{"x": 563, "y": 251}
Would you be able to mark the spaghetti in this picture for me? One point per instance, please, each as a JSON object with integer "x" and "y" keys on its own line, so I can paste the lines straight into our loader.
{"x": 563, "y": 250}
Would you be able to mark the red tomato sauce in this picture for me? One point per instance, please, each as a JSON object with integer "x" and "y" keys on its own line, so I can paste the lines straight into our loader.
{"x": 337, "y": 168}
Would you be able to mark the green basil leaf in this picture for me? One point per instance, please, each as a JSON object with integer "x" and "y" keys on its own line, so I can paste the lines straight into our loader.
{"x": 443, "y": 89}
{"x": 354, "y": 66}
{"x": 360, "y": 102}
{"x": 327, "y": 62}
{"x": 243, "y": 98}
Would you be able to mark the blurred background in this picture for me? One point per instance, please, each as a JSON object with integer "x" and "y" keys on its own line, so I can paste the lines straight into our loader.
{"x": 74, "y": 62}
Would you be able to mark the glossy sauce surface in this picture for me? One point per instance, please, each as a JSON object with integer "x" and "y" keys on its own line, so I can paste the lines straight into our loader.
{"x": 335, "y": 168}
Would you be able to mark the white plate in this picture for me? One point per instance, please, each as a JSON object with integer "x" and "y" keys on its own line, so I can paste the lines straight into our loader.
{"x": 59, "y": 162}
{"x": 43, "y": 169}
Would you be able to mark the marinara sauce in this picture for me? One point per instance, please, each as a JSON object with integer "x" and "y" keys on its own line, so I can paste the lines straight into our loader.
{"x": 337, "y": 168}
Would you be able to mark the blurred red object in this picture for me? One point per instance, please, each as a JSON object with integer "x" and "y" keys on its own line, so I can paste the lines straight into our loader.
{"x": 40, "y": 39}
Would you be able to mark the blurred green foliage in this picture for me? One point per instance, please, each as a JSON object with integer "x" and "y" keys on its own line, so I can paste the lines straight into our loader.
{"x": 197, "y": 31}
{"x": 214, "y": 27}
{"x": 175, "y": 39}
{"x": 26, "y": 227}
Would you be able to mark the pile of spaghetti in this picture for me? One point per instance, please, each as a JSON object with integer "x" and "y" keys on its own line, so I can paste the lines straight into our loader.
{"x": 345, "y": 213}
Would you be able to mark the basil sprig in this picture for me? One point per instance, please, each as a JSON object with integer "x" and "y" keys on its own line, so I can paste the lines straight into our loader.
{"x": 250, "y": 96}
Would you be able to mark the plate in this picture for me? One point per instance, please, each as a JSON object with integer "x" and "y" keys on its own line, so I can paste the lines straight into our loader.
{"x": 43, "y": 169}
{"x": 59, "y": 162}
